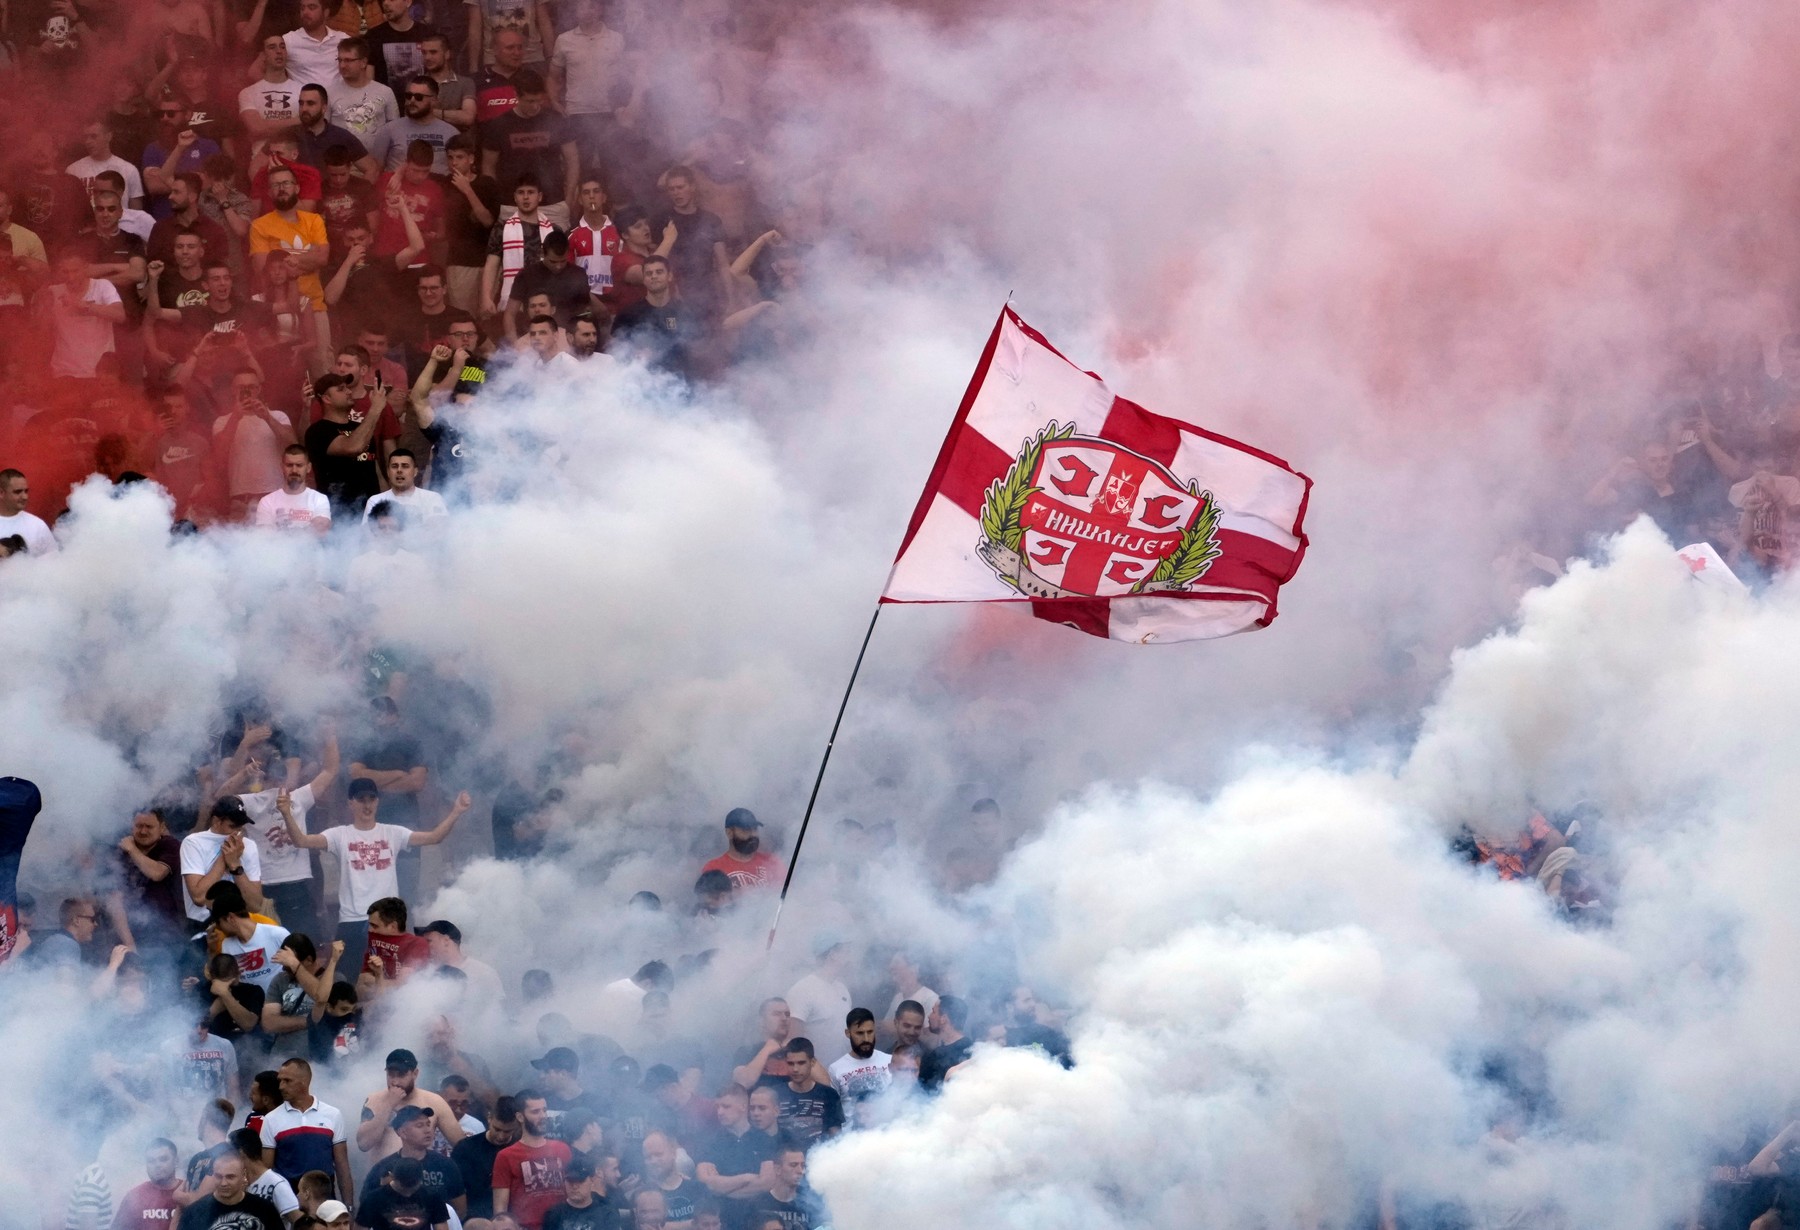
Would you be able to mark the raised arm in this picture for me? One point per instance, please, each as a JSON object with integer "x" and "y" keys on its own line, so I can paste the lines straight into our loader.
{"x": 433, "y": 836}
{"x": 329, "y": 769}
{"x": 305, "y": 840}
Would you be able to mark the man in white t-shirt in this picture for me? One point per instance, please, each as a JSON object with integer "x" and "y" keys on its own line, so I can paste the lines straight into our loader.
{"x": 404, "y": 490}
{"x": 296, "y": 506}
{"x": 287, "y": 869}
{"x": 312, "y": 49}
{"x": 15, "y": 494}
{"x": 96, "y": 137}
{"x": 359, "y": 103}
{"x": 222, "y": 850}
{"x": 367, "y": 854}
{"x": 863, "y": 1072}
{"x": 265, "y": 1181}
{"x": 252, "y": 944}
{"x": 272, "y": 104}
{"x": 81, "y": 313}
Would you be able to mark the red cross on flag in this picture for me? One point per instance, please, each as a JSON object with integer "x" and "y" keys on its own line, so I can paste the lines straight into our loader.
{"x": 1116, "y": 521}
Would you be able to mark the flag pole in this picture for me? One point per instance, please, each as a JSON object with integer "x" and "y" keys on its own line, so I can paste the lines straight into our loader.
{"x": 805, "y": 820}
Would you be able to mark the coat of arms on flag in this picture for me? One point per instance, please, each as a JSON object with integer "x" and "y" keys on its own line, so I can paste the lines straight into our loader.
{"x": 1105, "y": 516}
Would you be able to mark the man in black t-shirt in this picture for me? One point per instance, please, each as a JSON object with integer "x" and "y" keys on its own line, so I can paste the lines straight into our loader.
{"x": 438, "y": 1175}
{"x": 531, "y": 137}
{"x": 699, "y": 256}
{"x": 554, "y": 275}
{"x": 949, "y": 1017}
{"x": 343, "y": 452}
{"x": 403, "y": 1204}
{"x": 474, "y": 1155}
{"x": 582, "y": 1208}
{"x": 736, "y": 1162}
{"x": 231, "y": 1205}
{"x": 809, "y": 1110}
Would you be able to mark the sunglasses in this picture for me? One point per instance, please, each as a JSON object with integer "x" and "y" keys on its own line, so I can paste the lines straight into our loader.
{"x": 170, "y": 115}
{"x": 420, "y": 97}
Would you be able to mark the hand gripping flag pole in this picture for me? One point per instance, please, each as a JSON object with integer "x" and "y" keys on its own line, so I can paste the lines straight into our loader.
{"x": 1100, "y": 514}
{"x": 813, "y": 798}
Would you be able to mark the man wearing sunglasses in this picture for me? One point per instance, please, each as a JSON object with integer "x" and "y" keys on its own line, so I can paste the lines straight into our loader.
{"x": 419, "y": 121}
{"x": 176, "y": 148}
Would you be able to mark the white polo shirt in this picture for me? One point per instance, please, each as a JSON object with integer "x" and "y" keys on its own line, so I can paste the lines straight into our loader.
{"x": 314, "y": 61}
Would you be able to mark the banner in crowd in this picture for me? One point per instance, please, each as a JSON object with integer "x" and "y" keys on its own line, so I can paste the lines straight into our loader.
{"x": 20, "y": 803}
{"x": 1119, "y": 522}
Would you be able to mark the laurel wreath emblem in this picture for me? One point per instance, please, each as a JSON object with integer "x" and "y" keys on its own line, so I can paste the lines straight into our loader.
{"x": 1003, "y": 506}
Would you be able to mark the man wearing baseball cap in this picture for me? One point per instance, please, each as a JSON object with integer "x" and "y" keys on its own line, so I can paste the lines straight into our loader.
{"x": 367, "y": 855}
{"x": 744, "y": 862}
{"x": 334, "y": 1215}
{"x": 445, "y": 938}
{"x": 403, "y": 1203}
{"x": 221, "y": 850}
{"x": 381, "y": 1113}
{"x": 416, "y": 1128}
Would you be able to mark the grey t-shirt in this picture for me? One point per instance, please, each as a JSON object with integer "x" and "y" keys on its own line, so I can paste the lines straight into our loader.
{"x": 388, "y": 145}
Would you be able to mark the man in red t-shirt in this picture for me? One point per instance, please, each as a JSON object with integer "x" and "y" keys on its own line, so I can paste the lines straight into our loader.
{"x": 422, "y": 192}
{"x": 151, "y": 1205}
{"x": 747, "y": 866}
{"x": 528, "y": 1176}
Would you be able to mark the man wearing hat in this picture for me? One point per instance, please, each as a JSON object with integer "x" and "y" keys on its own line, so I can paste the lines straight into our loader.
{"x": 220, "y": 850}
{"x": 367, "y": 854}
{"x": 445, "y": 938}
{"x": 333, "y": 1215}
{"x": 403, "y": 1203}
{"x": 416, "y": 1129}
{"x": 560, "y": 1070}
{"x": 383, "y": 1111}
{"x": 744, "y": 862}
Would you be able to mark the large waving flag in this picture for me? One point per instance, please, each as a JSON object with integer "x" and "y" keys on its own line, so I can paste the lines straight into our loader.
{"x": 1116, "y": 521}
{"x": 19, "y": 806}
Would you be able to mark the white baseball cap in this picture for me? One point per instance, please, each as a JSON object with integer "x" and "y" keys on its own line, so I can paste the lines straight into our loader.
{"x": 331, "y": 1210}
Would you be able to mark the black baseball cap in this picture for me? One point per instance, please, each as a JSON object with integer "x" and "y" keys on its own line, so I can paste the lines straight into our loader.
{"x": 230, "y": 807}
{"x": 443, "y": 927}
{"x": 402, "y": 1060}
{"x": 558, "y": 1059}
{"x": 742, "y": 818}
{"x": 364, "y": 787}
{"x": 406, "y": 1114}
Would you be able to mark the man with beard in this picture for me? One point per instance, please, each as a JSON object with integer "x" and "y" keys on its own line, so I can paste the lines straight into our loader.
{"x": 949, "y": 1017}
{"x": 151, "y": 1204}
{"x": 184, "y": 217}
{"x": 148, "y": 897}
{"x": 584, "y": 343}
{"x": 397, "y": 1104}
{"x": 396, "y": 48}
{"x": 743, "y": 861}
{"x": 300, "y": 234}
{"x": 319, "y": 136}
{"x": 342, "y": 451}
{"x": 863, "y": 1073}
{"x": 418, "y": 122}
{"x": 528, "y": 1176}
{"x": 231, "y": 1205}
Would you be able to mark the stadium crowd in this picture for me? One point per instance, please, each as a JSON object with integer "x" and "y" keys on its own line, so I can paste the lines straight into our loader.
{"x": 308, "y": 230}
{"x": 266, "y": 254}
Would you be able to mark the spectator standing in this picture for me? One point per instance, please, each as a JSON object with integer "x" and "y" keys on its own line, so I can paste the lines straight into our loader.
{"x": 809, "y": 1111}
{"x": 359, "y": 102}
{"x": 403, "y": 1202}
{"x": 735, "y": 1163}
{"x": 343, "y": 451}
{"x": 475, "y": 1155}
{"x": 415, "y": 1130}
{"x": 148, "y": 899}
{"x": 472, "y": 209}
{"x": 271, "y": 104}
{"x": 251, "y": 944}
{"x": 222, "y": 850}
{"x": 96, "y": 140}
{"x": 151, "y": 1205}
{"x": 395, "y": 45}
{"x": 15, "y": 496}
{"x": 252, "y": 436}
{"x": 394, "y": 760}
{"x": 863, "y": 1072}
{"x": 820, "y": 999}
{"x": 177, "y": 148}
{"x": 289, "y": 228}
{"x": 366, "y": 853}
{"x": 747, "y": 865}
{"x": 295, "y": 507}
{"x": 587, "y": 71}
{"x": 528, "y": 1175}
{"x": 949, "y": 1017}
{"x": 417, "y": 122}
{"x": 318, "y": 136}
{"x": 699, "y": 256}
{"x": 231, "y": 1206}
{"x": 595, "y": 240}
{"x": 495, "y": 22}
{"x": 495, "y": 90}
{"x": 80, "y": 312}
{"x": 312, "y": 49}
{"x": 186, "y": 191}
{"x": 456, "y": 94}
{"x": 662, "y": 1173}
{"x": 529, "y": 137}
{"x": 305, "y": 1133}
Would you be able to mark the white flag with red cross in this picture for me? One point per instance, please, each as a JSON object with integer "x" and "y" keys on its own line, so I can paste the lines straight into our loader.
{"x": 1116, "y": 521}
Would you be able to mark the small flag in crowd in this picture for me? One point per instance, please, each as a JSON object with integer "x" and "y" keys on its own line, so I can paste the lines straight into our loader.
{"x": 1104, "y": 516}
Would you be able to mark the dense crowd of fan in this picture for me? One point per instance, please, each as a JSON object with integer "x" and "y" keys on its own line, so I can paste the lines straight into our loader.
{"x": 310, "y": 229}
